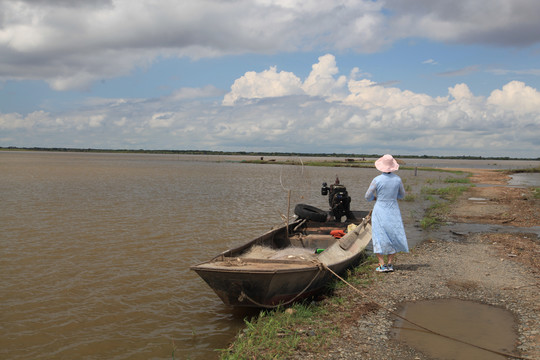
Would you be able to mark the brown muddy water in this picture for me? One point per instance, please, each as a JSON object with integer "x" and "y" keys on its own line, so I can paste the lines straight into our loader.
{"x": 483, "y": 326}
{"x": 96, "y": 248}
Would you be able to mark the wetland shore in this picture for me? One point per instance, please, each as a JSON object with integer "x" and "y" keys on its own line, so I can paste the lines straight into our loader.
{"x": 495, "y": 268}
{"x": 486, "y": 251}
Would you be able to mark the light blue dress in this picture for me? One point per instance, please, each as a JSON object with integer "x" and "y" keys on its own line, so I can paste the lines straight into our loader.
{"x": 388, "y": 233}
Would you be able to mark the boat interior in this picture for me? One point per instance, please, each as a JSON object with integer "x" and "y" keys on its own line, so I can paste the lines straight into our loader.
{"x": 301, "y": 237}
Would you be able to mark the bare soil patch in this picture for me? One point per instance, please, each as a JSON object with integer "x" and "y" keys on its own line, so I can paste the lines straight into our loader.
{"x": 522, "y": 248}
{"x": 496, "y": 204}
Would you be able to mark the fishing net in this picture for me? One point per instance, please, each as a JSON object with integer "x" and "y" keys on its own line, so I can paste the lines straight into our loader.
{"x": 290, "y": 253}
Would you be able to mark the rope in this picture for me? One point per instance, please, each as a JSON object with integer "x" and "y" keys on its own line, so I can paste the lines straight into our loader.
{"x": 423, "y": 327}
{"x": 243, "y": 295}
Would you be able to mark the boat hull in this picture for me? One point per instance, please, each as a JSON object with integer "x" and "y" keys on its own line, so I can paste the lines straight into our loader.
{"x": 241, "y": 280}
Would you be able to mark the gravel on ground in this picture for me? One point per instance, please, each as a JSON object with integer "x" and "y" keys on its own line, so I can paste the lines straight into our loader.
{"x": 493, "y": 268}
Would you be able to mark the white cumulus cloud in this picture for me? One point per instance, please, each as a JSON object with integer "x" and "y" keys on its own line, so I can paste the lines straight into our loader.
{"x": 516, "y": 97}
{"x": 269, "y": 83}
{"x": 276, "y": 110}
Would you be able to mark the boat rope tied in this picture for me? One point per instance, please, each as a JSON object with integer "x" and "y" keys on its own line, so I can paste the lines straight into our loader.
{"x": 423, "y": 327}
{"x": 244, "y": 296}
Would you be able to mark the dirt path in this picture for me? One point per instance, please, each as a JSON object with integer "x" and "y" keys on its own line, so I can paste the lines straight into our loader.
{"x": 491, "y": 202}
{"x": 500, "y": 269}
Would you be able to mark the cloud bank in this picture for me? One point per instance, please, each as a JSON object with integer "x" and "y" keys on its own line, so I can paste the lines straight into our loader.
{"x": 276, "y": 110}
{"x": 71, "y": 44}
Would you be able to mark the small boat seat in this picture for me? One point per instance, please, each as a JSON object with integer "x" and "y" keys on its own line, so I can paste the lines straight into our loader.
{"x": 313, "y": 241}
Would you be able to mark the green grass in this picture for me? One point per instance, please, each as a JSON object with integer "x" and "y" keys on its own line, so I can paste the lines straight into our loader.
{"x": 441, "y": 199}
{"x": 429, "y": 222}
{"x": 450, "y": 192}
{"x": 434, "y": 214}
{"x": 280, "y": 333}
{"x": 360, "y": 276}
{"x": 536, "y": 192}
{"x": 409, "y": 197}
{"x": 451, "y": 180}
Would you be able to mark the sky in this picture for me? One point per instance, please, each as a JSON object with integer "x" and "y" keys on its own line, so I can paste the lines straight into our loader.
{"x": 422, "y": 77}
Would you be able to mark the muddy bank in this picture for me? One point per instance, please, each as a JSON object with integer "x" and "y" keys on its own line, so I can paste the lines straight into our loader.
{"x": 498, "y": 268}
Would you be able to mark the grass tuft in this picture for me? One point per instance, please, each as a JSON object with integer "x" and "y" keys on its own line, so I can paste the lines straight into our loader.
{"x": 441, "y": 199}
{"x": 451, "y": 180}
{"x": 278, "y": 333}
{"x": 409, "y": 197}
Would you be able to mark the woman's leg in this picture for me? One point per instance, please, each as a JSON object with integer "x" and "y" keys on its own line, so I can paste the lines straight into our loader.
{"x": 381, "y": 259}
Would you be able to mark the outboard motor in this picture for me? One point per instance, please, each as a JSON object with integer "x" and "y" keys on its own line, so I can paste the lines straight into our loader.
{"x": 338, "y": 199}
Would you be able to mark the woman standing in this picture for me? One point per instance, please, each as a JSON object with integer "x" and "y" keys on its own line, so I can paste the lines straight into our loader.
{"x": 388, "y": 233}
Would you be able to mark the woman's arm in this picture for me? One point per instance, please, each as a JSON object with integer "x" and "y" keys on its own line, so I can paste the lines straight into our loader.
{"x": 401, "y": 191}
{"x": 371, "y": 191}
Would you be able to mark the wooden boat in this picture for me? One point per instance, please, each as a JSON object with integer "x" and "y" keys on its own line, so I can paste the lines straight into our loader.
{"x": 288, "y": 263}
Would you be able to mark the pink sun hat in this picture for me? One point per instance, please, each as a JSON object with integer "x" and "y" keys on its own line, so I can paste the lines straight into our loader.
{"x": 386, "y": 164}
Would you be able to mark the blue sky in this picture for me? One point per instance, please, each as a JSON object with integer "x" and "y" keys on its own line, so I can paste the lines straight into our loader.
{"x": 395, "y": 76}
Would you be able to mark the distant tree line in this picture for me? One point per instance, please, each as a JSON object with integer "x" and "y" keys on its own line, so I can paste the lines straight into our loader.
{"x": 256, "y": 153}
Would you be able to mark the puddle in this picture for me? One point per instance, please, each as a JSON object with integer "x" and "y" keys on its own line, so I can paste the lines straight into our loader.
{"x": 519, "y": 180}
{"x": 482, "y": 325}
{"x": 525, "y": 179}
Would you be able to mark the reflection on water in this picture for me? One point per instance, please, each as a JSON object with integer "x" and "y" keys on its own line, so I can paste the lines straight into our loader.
{"x": 96, "y": 248}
